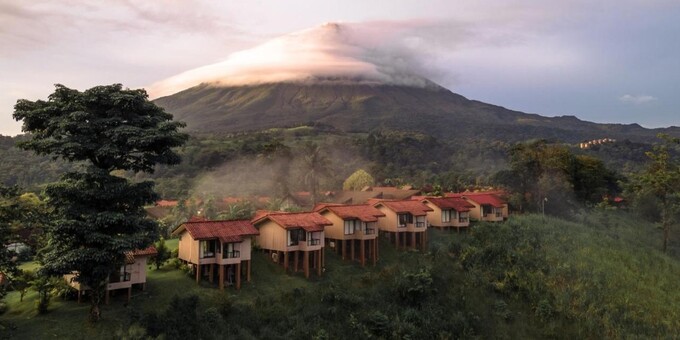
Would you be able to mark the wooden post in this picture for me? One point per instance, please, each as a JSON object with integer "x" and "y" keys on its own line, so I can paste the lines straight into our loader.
{"x": 221, "y": 277}
{"x": 285, "y": 260}
{"x": 396, "y": 242}
{"x": 198, "y": 273}
{"x": 344, "y": 247}
{"x": 306, "y": 264}
{"x": 238, "y": 275}
{"x": 295, "y": 261}
{"x": 375, "y": 250}
{"x": 144, "y": 286}
{"x": 413, "y": 240}
{"x": 248, "y": 270}
{"x": 106, "y": 297}
{"x": 318, "y": 261}
{"x": 80, "y": 294}
{"x": 210, "y": 272}
{"x": 352, "y": 250}
{"x": 129, "y": 294}
{"x": 363, "y": 252}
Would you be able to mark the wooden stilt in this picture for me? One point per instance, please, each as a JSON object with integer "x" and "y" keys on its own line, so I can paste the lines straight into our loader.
{"x": 306, "y": 264}
{"x": 396, "y": 241}
{"x": 344, "y": 247}
{"x": 375, "y": 251}
{"x": 221, "y": 277}
{"x": 210, "y": 272}
{"x": 363, "y": 252}
{"x": 144, "y": 286}
{"x": 352, "y": 250}
{"x": 295, "y": 261}
{"x": 198, "y": 273}
{"x": 106, "y": 297}
{"x": 238, "y": 275}
{"x": 285, "y": 260}
{"x": 318, "y": 261}
{"x": 248, "y": 270}
{"x": 80, "y": 294}
{"x": 129, "y": 294}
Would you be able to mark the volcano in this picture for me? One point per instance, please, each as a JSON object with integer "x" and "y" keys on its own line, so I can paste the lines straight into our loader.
{"x": 332, "y": 75}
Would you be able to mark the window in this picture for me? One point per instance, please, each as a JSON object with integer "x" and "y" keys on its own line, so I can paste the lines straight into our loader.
{"x": 487, "y": 210}
{"x": 230, "y": 251}
{"x": 351, "y": 226}
{"x": 208, "y": 248}
{"x": 295, "y": 236}
{"x": 446, "y": 216}
{"x": 405, "y": 219}
{"x": 420, "y": 221}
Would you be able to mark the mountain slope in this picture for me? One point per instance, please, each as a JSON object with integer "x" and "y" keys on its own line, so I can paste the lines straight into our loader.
{"x": 356, "y": 106}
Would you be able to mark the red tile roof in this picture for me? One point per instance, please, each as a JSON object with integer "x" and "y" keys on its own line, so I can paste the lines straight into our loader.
{"x": 309, "y": 221}
{"x": 415, "y": 208}
{"x": 455, "y": 203}
{"x": 225, "y": 231}
{"x": 481, "y": 198}
{"x": 150, "y": 250}
{"x": 166, "y": 203}
{"x": 363, "y": 212}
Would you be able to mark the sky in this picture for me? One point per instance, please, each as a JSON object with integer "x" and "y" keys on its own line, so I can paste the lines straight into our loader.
{"x": 602, "y": 61}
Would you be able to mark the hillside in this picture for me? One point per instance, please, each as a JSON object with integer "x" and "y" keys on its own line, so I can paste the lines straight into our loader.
{"x": 600, "y": 275}
{"x": 360, "y": 107}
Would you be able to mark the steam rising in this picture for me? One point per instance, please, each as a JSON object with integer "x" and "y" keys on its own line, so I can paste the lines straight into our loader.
{"x": 331, "y": 52}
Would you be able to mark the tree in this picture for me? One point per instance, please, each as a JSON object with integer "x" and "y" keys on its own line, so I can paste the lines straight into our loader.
{"x": 22, "y": 282}
{"x": 358, "y": 180}
{"x": 162, "y": 254}
{"x": 98, "y": 216}
{"x": 662, "y": 179}
{"x": 8, "y": 214}
{"x": 315, "y": 165}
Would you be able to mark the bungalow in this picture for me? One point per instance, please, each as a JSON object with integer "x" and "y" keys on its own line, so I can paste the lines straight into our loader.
{"x": 296, "y": 235}
{"x": 354, "y": 227}
{"x": 132, "y": 272}
{"x": 487, "y": 206}
{"x": 405, "y": 220}
{"x": 448, "y": 212}
{"x": 221, "y": 245}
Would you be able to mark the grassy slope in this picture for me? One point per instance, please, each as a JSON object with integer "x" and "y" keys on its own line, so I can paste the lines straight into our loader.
{"x": 604, "y": 277}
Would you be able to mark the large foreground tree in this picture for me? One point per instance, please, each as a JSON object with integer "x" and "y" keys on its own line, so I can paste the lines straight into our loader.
{"x": 99, "y": 216}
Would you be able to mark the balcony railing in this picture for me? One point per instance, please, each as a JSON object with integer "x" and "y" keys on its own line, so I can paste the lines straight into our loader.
{"x": 369, "y": 231}
{"x": 314, "y": 242}
{"x": 420, "y": 224}
{"x": 499, "y": 214}
{"x": 401, "y": 225}
{"x": 231, "y": 254}
{"x": 463, "y": 220}
{"x": 207, "y": 254}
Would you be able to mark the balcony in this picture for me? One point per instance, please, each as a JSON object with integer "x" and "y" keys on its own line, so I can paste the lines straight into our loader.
{"x": 120, "y": 277}
{"x": 463, "y": 220}
{"x": 231, "y": 254}
{"x": 369, "y": 231}
{"x": 207, "y": 254}
{"x": 313, "y": 242}
{"x": 420, "y": 224}
{"x": 401, "y": 225}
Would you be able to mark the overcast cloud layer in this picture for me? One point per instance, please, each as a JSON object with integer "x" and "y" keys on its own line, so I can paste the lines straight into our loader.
{"x": 606, "y": 61}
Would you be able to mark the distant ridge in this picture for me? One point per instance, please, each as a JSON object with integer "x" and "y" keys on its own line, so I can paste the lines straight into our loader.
{"x": 358, "y": 106}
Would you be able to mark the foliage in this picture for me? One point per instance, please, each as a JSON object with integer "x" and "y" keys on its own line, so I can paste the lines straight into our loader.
{"x": 98, "y": 216}
{"x": 550, "y": 177}
{"x": 238, "y": 211}
{"x": 162, "y": 254}
{"x": 358, "y": 180}
{"x": 315, "y": 165}
{"x": 22, "y": 282}
{"x": 661, "y": 179}
{"x": 9, "y": 212}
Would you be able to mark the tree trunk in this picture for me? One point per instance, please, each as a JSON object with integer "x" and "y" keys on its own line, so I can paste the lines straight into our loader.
{"x": 95, "y": 302}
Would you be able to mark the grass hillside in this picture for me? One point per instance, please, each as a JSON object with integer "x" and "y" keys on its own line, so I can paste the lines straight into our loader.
{"x": 598, "y": 275}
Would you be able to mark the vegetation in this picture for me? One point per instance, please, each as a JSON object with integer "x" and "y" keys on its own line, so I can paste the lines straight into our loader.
{"x": 358, "y": 180}
{"x": 98, "y": 216}
{"x": 528, "y": 278}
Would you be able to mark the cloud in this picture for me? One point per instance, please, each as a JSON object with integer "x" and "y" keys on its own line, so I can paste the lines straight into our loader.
{"x": 637, "y": 99}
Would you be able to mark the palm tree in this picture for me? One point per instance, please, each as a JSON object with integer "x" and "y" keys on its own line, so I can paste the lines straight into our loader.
{"x": 315, "y": 166}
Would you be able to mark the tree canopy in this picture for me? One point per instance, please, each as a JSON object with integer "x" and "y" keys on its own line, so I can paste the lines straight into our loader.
{"x": 358, "y": 180}
{"x": 99, "y": 216}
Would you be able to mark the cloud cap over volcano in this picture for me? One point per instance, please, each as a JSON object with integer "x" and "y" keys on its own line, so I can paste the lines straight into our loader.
{"x": 330, "y": 52}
